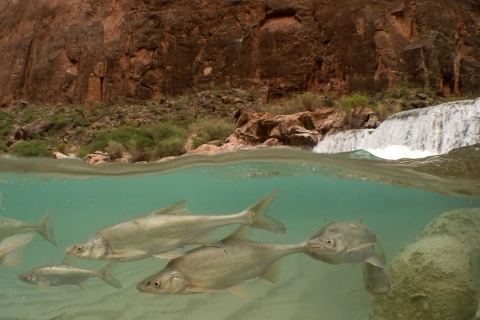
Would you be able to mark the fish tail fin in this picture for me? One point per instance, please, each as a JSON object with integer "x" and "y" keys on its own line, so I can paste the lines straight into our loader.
{"x": 12, "y": 259}
{"x": 45, "y": 228}
{"x": 258, "y": 218}
{"x": 106, "y": 275}
{"x": 9, "y": 246}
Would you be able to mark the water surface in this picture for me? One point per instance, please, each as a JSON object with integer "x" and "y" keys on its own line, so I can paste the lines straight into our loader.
{"x": 395, "y": 199}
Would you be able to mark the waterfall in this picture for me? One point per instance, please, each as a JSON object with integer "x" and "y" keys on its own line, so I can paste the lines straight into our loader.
{"x": 413, "y": 134}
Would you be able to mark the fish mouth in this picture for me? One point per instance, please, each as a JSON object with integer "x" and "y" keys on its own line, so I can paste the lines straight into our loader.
{"x": 317, "y": 246}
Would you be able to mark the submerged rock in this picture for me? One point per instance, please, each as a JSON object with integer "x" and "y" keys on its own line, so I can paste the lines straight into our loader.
{"x": 430, "y": 277}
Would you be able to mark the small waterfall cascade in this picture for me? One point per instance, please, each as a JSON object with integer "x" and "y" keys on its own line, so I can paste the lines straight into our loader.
{"x": 414, "y": 133}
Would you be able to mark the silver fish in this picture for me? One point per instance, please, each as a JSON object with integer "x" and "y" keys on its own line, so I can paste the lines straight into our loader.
{"x": 344, "y": 242}
{"x": 475, "y": 269}
{"x": 66, "y": 274}
{"x": 224, "y": 266}
{"x": 162, "y": 233}
{"x": 9, "y": 255}
{"x": 375, "y": 280}
{"x": 10, "y": 227}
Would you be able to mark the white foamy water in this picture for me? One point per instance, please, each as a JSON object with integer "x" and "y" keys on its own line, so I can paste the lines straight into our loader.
{"x": 413, "y": 134}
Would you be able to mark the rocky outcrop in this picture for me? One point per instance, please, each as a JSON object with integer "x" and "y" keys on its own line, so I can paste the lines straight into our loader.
{"x": 302, "y": 129}
{"x": 430, "y": 277}
{"x": 89, "y": 50}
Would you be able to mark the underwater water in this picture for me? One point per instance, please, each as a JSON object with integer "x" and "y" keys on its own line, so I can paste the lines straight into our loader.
{"x": 395, "y": 199}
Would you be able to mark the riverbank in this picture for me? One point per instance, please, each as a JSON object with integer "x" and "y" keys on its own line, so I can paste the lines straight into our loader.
{"x": 197, "y": 122}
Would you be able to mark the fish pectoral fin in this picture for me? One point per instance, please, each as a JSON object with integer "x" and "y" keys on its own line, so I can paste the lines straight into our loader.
{"x": 375, "y": 261}
{"x": 179, "y": 208}
{"x": 239, "y": 290}
{"x": 201, "y": 290}
{"x": 125, "y": 255}
{"x": 169, "y": 255}
{"x": 43, "y": 285}
{"x": 360, "y": 247}
{"x": 272, "y": 274}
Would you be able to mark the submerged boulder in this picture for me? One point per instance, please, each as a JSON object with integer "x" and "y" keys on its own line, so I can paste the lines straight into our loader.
{"x": 430, "y": 277}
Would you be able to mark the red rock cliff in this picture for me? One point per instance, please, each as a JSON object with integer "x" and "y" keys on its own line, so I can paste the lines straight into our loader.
{"x": 77, "y": 50}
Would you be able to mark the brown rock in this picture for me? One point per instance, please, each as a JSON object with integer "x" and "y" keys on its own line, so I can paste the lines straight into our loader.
{"x": 31, "y": 129}
{"x": 363, "y": 117}
{"x": 97, "y": 157}
{"x": 71, "y": 51}
{"x": 272, "y": 142}
{"x": 419, "y": 104}
{"x": 300, "y": 129}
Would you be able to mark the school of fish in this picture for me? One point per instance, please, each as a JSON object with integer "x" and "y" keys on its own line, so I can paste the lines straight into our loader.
{"x": 215, "y": 265}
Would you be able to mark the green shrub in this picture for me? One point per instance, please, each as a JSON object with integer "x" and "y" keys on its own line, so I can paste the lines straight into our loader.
{"x": 173, "y": 146}
{"x": 3, "y": 146}
{"x": 166, "y": 130}
{"x": 6, "y": 123}
{"x": 354, "y": 101}
{"x": 114, "y": 149}
{"x": 208, "y": 130}
{"x": 82, "y": 152}
{"x": 32, "y": 148}
{"x": 62, "y": 147}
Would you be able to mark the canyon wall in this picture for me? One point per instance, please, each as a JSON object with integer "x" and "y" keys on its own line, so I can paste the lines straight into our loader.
{"x": 88, "y": 50}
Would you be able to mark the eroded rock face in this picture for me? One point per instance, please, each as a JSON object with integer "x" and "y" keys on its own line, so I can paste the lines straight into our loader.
{"x": 430, "y": 277}
{"x": 89, "y": 50}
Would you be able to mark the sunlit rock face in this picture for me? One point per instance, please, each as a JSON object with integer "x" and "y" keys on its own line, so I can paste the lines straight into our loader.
{"x": 414, "y": 133}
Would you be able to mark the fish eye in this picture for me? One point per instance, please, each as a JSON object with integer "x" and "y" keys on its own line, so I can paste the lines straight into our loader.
{"x": 368, "y": 288}
{"x": 79, "y": 249}
{"x": 157, "y": 284}
{"x": 329, "y": 241}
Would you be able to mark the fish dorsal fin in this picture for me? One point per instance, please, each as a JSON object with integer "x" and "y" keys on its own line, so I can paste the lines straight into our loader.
{"x": 321, "y": 231}
{"x": 272, "y": 274}
{"x": 243, "y": 233}
{"x": 238, "y": 289}
{"x": 80, "y": 285}
{"x": 179, "y": 208}
{"x": 68, "y": 260}
{"x": 206, "y": 239}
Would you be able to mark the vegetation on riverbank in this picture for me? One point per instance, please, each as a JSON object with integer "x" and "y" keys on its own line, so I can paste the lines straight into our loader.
{"x": 149, "y": 130}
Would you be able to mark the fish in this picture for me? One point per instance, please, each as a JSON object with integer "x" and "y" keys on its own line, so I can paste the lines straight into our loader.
{"x": 344, "y": 242}
{"x": 222, "y": 266}
{"x": 163, "y": 233}
{"x": 475, "y": 269}
{"x": 375, "y": 280}
{"x": 10, "y": 227}
{"x": 65, "y": 273}
{"x": 9, "y": 255}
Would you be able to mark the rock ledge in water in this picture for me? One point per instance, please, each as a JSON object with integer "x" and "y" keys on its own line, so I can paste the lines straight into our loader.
{"x": 430, "y": 278}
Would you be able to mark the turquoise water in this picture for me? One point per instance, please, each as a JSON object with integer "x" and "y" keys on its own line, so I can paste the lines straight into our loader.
{"x": 308, "y": 289}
